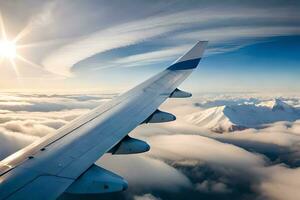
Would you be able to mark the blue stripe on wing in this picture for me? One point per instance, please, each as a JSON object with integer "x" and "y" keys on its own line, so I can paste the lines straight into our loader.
{"x": 188, "y": 64}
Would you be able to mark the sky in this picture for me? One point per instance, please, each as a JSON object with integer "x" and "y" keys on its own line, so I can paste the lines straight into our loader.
{"x": 72, "y": 45}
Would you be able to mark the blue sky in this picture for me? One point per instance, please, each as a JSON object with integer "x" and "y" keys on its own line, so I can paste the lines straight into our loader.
{"x": 269, "y": 66}
{"x": 111, "y": 46}
{"x": 266, "y": 66}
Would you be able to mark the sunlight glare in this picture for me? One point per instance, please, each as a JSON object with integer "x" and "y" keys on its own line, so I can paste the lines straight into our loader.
{"x": 8, "y": 49}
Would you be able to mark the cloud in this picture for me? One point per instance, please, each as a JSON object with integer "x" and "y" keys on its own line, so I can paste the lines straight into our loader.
{"x": 212, "y": 186}
{"x": 28, "y": 127}
{"x": 190, "y": 24}
{"x": 10, "y": 142}
{"x": 251, "y": 163}
{"x": 193, "y": 147}
{"x": 282, "y": 183}
{"x": 26, "y": 118}
{"x": 216, "y": 37}
{"x": 46, "y": 103}
{"x": 147, "y": 58}
{"x": 38, "y": 21}
{"x": 120, "y": 36}
{"x": 146, "y": 197}
{"x": 222, "y": 34}
{"x": 194, "y": 156}
{"x": 278, "y": 141}
{"x": 184, "y": 160}
{"x": 145, "y": 173}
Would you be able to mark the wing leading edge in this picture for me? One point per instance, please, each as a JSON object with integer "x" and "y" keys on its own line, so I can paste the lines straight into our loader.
{"x": 52, "y": 164}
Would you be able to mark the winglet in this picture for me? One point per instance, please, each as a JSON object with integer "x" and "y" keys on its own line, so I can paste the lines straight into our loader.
{"x": 191, "y": 59}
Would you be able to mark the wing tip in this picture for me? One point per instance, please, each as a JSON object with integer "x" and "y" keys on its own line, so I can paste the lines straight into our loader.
{"x": 190, "y": 59}
{"x": 195, "y": 52}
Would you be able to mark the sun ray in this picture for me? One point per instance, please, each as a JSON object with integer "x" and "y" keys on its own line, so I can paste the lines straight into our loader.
{"x": 22, "y": 34}
{"x": 28, "y": 62}
{"x": 40, "y": 43}
{"x": 30, "y": 45}
{"x": 2, "y": 27}
{"x": 15, "y": 68}
{"x": 32, "y": 64}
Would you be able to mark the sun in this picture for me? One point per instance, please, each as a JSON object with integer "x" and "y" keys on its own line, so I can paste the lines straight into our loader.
{"x": 8, "y": 49}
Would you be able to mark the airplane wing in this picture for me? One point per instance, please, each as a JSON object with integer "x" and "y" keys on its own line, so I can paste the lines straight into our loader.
{"x": 64, "y": 162}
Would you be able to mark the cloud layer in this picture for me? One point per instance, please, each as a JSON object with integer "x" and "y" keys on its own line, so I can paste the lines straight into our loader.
{"x": 184, "y": 160}
{"x": 25, "y": 118}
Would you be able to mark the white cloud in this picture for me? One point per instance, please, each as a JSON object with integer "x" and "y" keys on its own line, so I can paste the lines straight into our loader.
{"x": 10, "y": 142}
{"x": 61, "y": 60}
{"x": 28, "y": 127}
{"x": 148, "y": 58}
{"x": 180, "y": 158}
{"x": 212, "y": 186}
{"x": 221, "y": 34}
{"x": 282, "y": 183}
{"x": 146, "y": 197}
{"x": 105, "y": 40}
{"x": 215, "y": 36}
{"x": 194, "y": 147}
{"x": 29, "y": 117}
{"x": 144, "y": 172}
